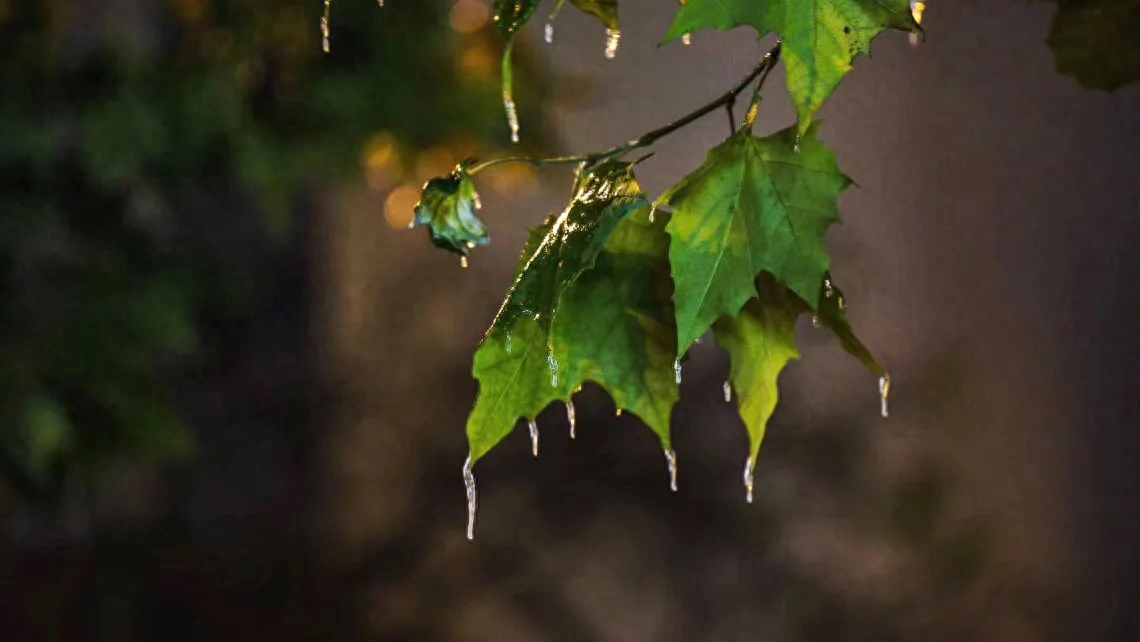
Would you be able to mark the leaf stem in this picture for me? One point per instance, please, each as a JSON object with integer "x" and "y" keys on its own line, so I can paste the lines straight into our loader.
{"x": 761, "y": 70}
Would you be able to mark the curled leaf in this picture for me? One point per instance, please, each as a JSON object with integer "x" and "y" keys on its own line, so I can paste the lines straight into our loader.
{"x": 447, "y": 207}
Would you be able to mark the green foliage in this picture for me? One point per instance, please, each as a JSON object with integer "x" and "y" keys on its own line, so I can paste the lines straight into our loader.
{"x": 447, "y": 206}
{"x": 820, "y": 37}
{"x": 755, "y": 204}
{"x": 1097, "y": 42}
{"x": 110, "y": 272}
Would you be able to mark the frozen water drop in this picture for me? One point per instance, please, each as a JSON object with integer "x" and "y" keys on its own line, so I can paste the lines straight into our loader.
{"x": 613, "y": 37}
{"x": 749, "y": 464}
{"x": 841, "y": 303}
{"x": 677, "y": 371}
{"x": 727, "y": 392}
{"x": 671, "y": 460}
{"x": 553, "y": 365}
{"x": 463, "y": 262}
{"x": 472, "y": 498}
{"x": 617, "y": 413}
{"x": 533, "y": 425}
{"x": 475, "y": 199}
{"x": 548, "y": 32}
{"x": 512, "y": 116}
{"x": 884, "y": 392}
{"x": 570, "y": 417}
{"x": 828, "y": 289}
{"x": 687, "y": 39}
{"x": 653, "y": 213}
{"x": 815, "y": 320}
{"x": 325, "y": 26}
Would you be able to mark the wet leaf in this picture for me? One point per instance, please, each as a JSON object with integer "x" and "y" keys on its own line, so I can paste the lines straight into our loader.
{"x": 447, "y": 207}
{"x": 1097, "y": 42}
{"x": 755, "y": 204}
{"x": 760, "y": 341}
{"x": 516, "y": 365}
{"x": 512, "y": 15}
{"x": 605, "y": 11}
{"x": 820, "y": 37}
{"x": 833, "y": 316}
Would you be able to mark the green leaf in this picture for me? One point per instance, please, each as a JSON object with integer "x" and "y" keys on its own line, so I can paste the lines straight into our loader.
{"x": 820, "y": 38}
{"x": 833, "y": 316}
{"x": 755, "y": 204}
{"x": 615, "y": 325}
{"x": 760, "y": 341}
{"x": 605, "y": 11}
{"x": 512, "y": 15}
{"x": 1097, "y": 42}
{"x": 516, "y": 366}
{"x": 447, "y": 206}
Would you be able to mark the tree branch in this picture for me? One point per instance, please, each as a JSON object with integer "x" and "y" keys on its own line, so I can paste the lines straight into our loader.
{"x": 761, "y": 70}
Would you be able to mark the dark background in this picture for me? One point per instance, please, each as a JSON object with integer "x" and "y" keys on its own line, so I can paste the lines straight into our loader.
{"x": 986, "y": 257}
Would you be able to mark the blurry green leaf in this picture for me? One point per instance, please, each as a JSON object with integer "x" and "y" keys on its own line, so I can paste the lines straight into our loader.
{"x": 511, "y": 15}
{"x": 820, "y": 37}
{"x": 516, "y": 365}
{"x": 447, "y": 206}
{"x": 755, "y": 204}
{"x": 760, "y": 340}
{"x": 604, "y": 10}
{"x": 48, "y": 432}
{"x": 1097, "y": 42}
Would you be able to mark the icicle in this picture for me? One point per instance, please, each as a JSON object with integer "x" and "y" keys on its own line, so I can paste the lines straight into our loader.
{"x": 884, "y": 392}
{"x": 570, "y": 417}
{"x": 548, "y": 32}
{"x": 828, "y": 290}
{"x": 512, "y": 116}
{"x": 472, "y": 499}
{"x": 749, "y": 464}
{"x": 553, "y": 365}
{"x": 671, "y": 459}
{"x": 412, "y": 223}
{"x": 325, "y": 26}
{"x": 687, "y": 39}
{"x": 677, "y": 370}
{"x": 613, "y": 37}
{"x": 533, "y": 425}
{"x": 463, "y": 261}
{"x": 815, "y": 320}
{"x": 727, "y": 392}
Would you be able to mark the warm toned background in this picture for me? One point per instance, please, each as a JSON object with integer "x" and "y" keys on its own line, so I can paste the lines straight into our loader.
{"x": 987, "y": 257}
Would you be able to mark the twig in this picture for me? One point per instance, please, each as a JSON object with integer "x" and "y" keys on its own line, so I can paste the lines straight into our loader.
{"x": 761, "y": 70}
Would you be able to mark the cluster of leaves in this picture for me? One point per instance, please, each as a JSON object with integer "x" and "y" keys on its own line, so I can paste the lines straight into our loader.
{"x": 616, "y": 288}
{"x": 129, "y": 161}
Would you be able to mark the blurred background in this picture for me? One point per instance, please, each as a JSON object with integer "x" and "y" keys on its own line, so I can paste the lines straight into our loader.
{"x": 233, "y": 385}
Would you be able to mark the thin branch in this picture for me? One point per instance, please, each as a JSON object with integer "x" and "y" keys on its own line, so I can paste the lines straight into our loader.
{"x": 761, "y": 70}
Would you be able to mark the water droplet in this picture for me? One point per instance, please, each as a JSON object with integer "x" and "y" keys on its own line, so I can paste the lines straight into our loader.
{"x": 815, "y": 320}
{"x": 381, "y": 3}
{"x": 613, "y": 37}
{"x": 553, "y": 365}
{"x": 884, "y": 392}
{"x": 677, "y": 370}
{"x": 671, "y": 460}
{"x": 325, "y": 26}
{"x": 687, "y": 39}
{"x": 475, "y": 199}
{"x": 653, "y": 213}
{"x": 570, "y": 417}
{"x": 507, "y": 343}
{"x": 842, "y": 303}
{"x": 548, "y": 32}
{"x": 617, "y": 413}
{"x": 533, "y": 425}
{"x": 472, "y": 498}
{"x": 412, "y": 223}
{"x": 828, "y": 289}
{"x": 727, "y": 392}
{"x": 512, "y": 116}
{"x": 796, "y": 148}
{"x": 463, "y": 262}
{"x": 749, "y": 464}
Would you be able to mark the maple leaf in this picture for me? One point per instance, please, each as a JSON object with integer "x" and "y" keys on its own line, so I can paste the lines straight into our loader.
{"x": 531, "y": 355}
{"x": 755, "y": 204}
{"x": 447, "y": 207}
{"x": 1096, "y": 42}
{"x": 820, "y": 37}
